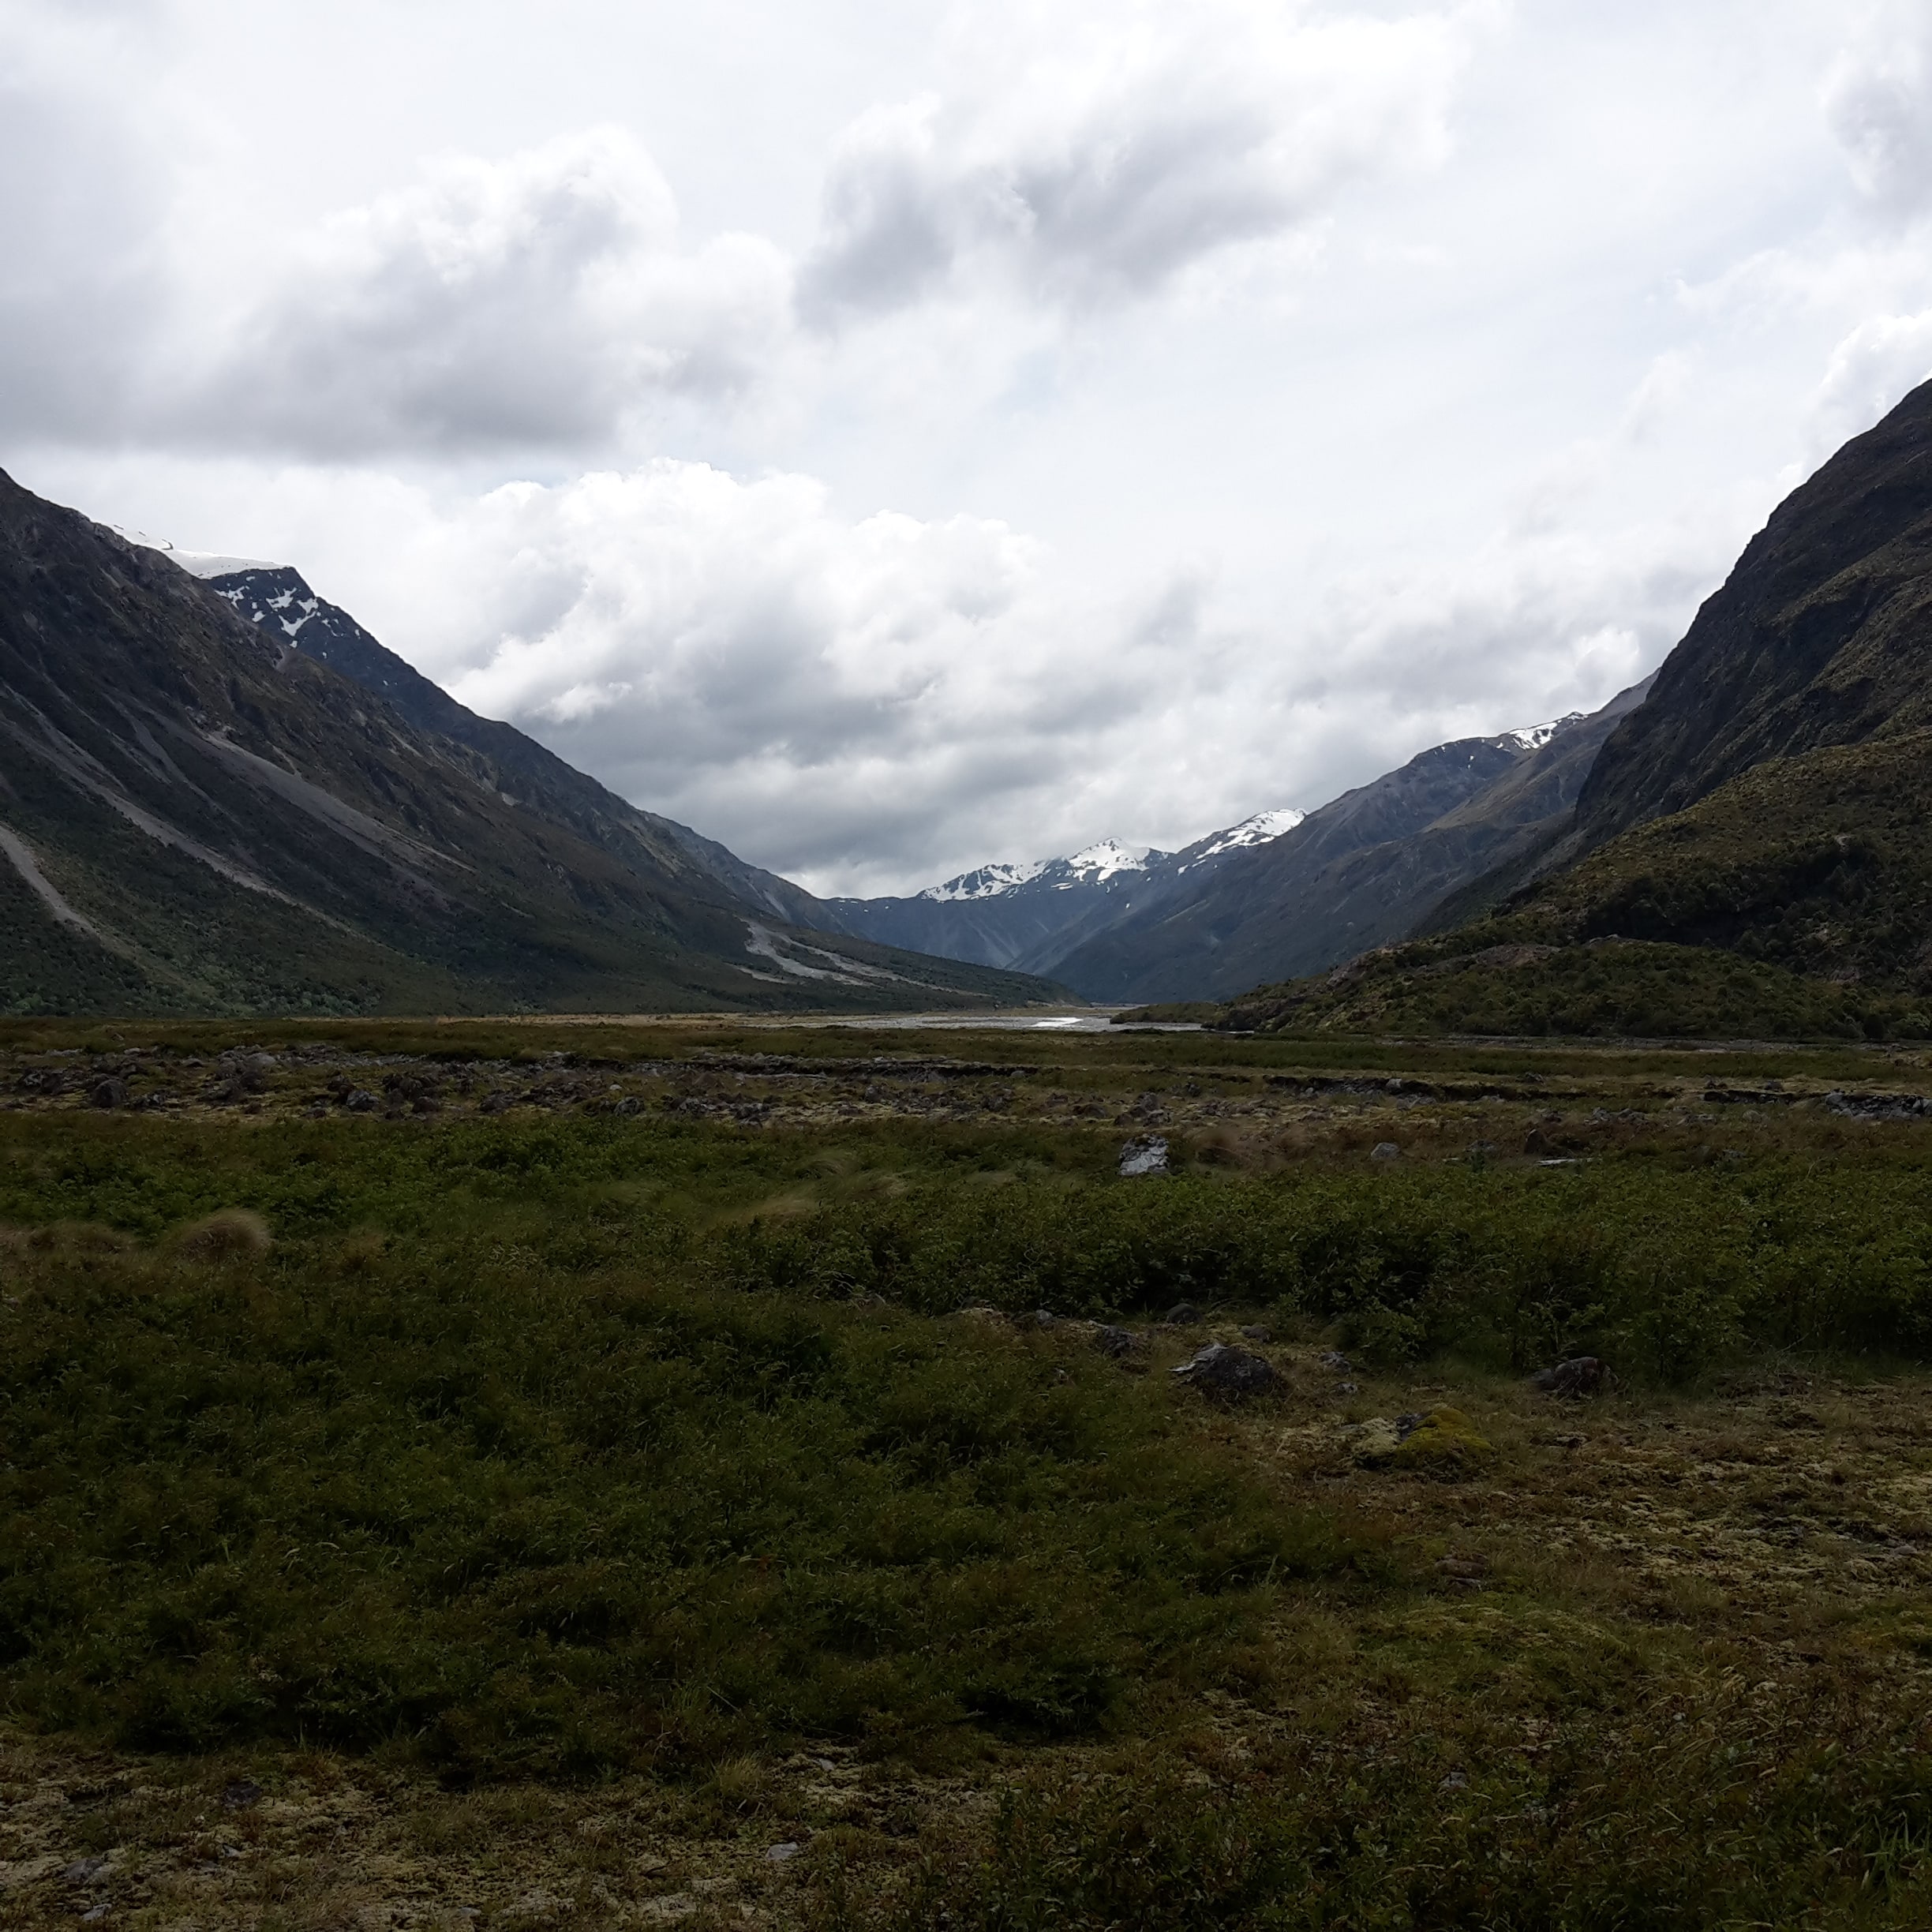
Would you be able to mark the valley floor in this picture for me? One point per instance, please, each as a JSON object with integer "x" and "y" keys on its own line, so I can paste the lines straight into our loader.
{"x": 508, "y": 1477}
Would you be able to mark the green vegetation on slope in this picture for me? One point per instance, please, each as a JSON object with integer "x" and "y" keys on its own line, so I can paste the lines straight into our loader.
{"x": 1794, "y": 903}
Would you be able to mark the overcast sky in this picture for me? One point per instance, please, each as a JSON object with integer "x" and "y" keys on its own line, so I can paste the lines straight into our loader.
{"x": 894, "y": 436}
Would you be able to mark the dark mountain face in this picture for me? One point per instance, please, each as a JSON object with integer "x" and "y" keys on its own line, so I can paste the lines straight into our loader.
{"x": 199, "y": 816}
{"x": 1358, "y": 873}
{"x": 279, "y": 600}
{"x": 1821, "y": 636}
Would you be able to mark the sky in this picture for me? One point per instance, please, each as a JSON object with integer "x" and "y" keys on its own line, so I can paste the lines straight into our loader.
{"x": 891, "y": 438}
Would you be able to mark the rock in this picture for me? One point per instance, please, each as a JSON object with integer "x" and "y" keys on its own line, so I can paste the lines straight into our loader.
{"x": 1257, "y": 1331}
{"x": 630, "y": 1105}
{"x": 1334, "y": 1359}
{"x": 1182, "y": 1315}
{"x": 1583, "y": 1375}
{"x": 111, "y": 1092}
{"x": 1481, "y": 1150}
{"x": 1045, "y": 1318}
{"x": 1229, "y": 1374}
{"x": 782, "y": 1854}
{"x": 85, "y": 1871}
{"x": 497, "y": 1102}
{"x": 1146, "y": 1155}
{"x": 359, "y": 1100}
{"x": 1117, "y": 1342}
{"x": 1386, "y": 1150}
{"x": 241, "y": 1796}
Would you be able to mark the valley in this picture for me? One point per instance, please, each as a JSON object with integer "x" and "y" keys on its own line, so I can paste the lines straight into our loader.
{"x": 723, "y": 1472}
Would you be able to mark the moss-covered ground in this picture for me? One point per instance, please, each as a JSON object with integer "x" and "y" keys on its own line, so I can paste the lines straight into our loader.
{"x": 516, "y": 1475}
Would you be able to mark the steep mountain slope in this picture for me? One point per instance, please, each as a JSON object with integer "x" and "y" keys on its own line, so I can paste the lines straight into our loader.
{"x": 1358, "y": 872}
{"x": 1751, "y": 853}
{"x": 1821, "y": 635}
{"x": 278, "y": 597}
{"x": 199, "y": 817}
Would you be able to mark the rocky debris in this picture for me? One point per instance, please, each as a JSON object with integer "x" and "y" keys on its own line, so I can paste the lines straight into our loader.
{"x": 1182, "y": 1315}
{"x": 359, "y": 1100}
{"x": 1117, "y": 1342}
{"x": 1257, "y": 1331}
{"x": 1874, "y": 1106}
{"x": 1439, "y": 1438}
{"x": 111, "y": 1092}
{"x": 244, "y": 1795}
{"x": 1146, "y": 1154}
{"x": 1385, "y": 1150}
{"x": 1229, "y": 1374}
{"x": 782, "y": 1854}
{"x": 1582, "y": 1375}
{"x": 1334, "y": 1359}
{"x": 1481, "y": 1150}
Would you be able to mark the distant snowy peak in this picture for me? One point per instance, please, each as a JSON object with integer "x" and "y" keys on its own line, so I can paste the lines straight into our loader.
{"x": 1534, "y": 737}
{"x": 1256, "y": 831}
{"x": 988, "y": 882}
{"x": 1092, "y": 866}
{"x": 1103, "y": 860}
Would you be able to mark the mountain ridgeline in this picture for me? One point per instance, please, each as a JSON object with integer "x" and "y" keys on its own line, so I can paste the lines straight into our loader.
{"x": 202, "y": 813}
{"x": 1750, "y": 852}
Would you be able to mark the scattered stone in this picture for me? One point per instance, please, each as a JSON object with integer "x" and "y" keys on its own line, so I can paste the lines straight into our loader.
{"x": 1182, "y": 1315}
{"x": 1257, "y": 1331}
{"x": 241, "y": 1796}
{"x": 1045, "y": 1318}
{"x": 1229, "y": 1374}
{"x": 85, "y": 1871}
{"x": 630, "y": 1105}
{"x": 1145, "y": 1154}
{"x": 782, "y": 1854}
{"x": 1117, "y": 1342}
{"x": 1334, "y": 1359}
{"x": 359, "y": 1100}
{"x": 1583, "y": 1375}
{"x": 111, "y": 1092}
{"x": 1456, "y": 1780}
{"x": 95, "y": 1914}
{"x": 1481, "y": 1150}
{"x": 497, "y": 1102}
{"x": 1386, "y": 1150}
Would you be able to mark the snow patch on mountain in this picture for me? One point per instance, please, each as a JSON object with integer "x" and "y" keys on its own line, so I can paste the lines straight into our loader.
{"x": 1256, "y": 831}
{"x": 196, "y": 563}
{"x": 1534, "y": 737}
{"x": 988, "y": 882}
{"x": 1108, "y": 856}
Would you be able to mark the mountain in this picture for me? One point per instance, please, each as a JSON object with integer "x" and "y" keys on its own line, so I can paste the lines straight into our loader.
{"x": 276, "y": 597}
{"x": 1002, "y": 913}
{"x": 1365, "y": 869}
{"x": 1751, "y": 851}
{"x": 1820, "y": 635}
{"x": 198, "y": 815}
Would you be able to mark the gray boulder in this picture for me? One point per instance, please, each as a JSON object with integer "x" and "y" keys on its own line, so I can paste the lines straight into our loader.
{"x": 1229, "y": 1374}
{"x": 1145, "y": 1154}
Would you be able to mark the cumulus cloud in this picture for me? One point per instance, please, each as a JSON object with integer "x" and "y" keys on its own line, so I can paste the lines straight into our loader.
{"x": 1103, "y": 165}
{"x": 1878, "y": 101}
{"x": 536, "y": 299}
{"x": 870, "y": 703}
{"x": 1869, "y": 371}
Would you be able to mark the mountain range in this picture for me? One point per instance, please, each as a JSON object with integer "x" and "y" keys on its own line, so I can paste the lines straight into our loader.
{"x": 200, "y": 812}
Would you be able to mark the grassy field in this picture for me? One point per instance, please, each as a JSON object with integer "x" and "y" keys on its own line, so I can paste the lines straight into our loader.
{"x": 528, "y": 1474}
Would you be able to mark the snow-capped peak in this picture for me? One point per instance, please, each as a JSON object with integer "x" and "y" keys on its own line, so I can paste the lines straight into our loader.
{"x": 988, "y": 882}
{"x": 1107, "y": 856}
{"x": 1256, "y": 831}
{"x": 1534, "y": 737}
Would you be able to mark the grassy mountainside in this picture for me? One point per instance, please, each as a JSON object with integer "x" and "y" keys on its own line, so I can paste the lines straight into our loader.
{"x": 199, "y": 818}
{"x": 1795, "y": 901}
{"x": 1820, "y": 636}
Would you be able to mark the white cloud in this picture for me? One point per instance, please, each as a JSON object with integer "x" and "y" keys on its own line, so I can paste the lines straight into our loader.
{"x": 1874, "y": 366}
{"x": 1878, "y": 99}
{"x": 1104, "y": 162}
{"x": 538, "y": 301}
